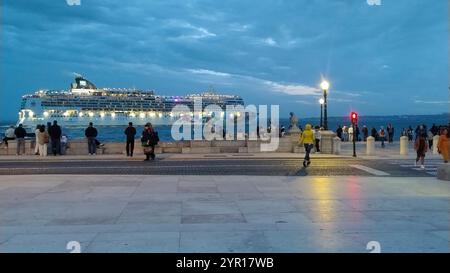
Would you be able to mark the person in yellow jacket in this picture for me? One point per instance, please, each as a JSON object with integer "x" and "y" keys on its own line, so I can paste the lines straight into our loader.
{"x": 307, "y": 140}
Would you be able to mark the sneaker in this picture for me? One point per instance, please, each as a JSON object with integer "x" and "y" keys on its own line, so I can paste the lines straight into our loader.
{"x": 94, "y": 154}
{"x": 309, "y": 162}
{"x": 422, "y": 167}
{"x": 304, "y": 163}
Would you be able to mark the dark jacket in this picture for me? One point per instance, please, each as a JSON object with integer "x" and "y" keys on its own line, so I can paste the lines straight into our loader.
{"x": 339, "y": 132}
{"x": 149, "y": 138}
{"x": 374, "y": 133}
{"x": 90, "y": 132}
{"x": 365, "y": 131}
{"x": 55, "y": 132}
{"x": 20, "y": 132}
{"x": 130, "y": 132}
{"x": 390, "y": 130}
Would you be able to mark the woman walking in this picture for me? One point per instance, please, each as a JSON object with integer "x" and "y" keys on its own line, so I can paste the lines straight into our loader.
{"x": 421, "y": 148}
{"x": 443, "y": 145}
{"x": 42, "y": 140}
{"x": 307, "y": 140}
{"x": 149, "y": 140}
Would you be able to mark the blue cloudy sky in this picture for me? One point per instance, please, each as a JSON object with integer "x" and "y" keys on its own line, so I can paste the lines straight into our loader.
{"x": 388, "y": 59}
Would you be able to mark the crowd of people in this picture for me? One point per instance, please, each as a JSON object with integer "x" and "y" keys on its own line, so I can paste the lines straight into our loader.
{"x": 49, "y": 139}
{"x": 347, "y": 133}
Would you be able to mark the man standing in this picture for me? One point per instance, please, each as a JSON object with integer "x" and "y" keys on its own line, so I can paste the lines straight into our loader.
{"x": 339, "y": 132}
{"x": 130, "y": 132}
{"x": 91, "y": 134}
{"x": 55, "y": 135}
{"x": 390, "y": 131}
{"x": 317, "y": 137}
{"x": 365, "y": 131}
{"x": 357, "y": 133}
{"x": 20, "y": 134}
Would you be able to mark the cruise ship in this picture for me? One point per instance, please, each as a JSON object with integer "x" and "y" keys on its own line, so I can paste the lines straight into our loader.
{"x": 84, "y": 103}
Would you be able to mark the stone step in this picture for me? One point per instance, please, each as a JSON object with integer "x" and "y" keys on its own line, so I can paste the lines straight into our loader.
{"x": 200, "y": 150}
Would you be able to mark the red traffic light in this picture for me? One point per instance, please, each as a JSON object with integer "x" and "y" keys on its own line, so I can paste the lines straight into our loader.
{"x": 354, "y": 117}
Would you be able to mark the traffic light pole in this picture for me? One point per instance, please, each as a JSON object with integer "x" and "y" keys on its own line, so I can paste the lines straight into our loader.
{"x": 354, "y": 139}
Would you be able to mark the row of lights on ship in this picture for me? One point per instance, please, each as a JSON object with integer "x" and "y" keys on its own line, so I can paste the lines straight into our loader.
{"x": 141, "y": 115}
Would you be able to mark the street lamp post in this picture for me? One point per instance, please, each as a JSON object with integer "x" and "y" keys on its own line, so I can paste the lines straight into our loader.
{"x": 325, "y": 86}
{"x": 321, "y": 102}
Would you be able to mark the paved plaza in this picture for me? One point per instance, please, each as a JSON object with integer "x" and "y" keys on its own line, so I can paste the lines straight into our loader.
{"x": 223, "y": 213}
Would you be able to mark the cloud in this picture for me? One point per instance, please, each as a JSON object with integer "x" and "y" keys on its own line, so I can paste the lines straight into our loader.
{"x": 279, "y": 51}
{"x": 270, "y": 41}
{"x": 208, "y": 72}
{"x": 193, "y": 32}
{"x": 432, "y": 102}
{"x": 293, "y": 89}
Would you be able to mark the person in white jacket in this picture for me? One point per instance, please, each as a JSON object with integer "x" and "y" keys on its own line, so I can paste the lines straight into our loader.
{"x": 350, "y": 133}
{"x": 36, "y": 145}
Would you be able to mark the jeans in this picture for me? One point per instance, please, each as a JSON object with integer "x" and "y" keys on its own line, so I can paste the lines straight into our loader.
{"x": 56, "y": 146}
{"x": 317, "y": 145}
{"x": 91, "y": 145}
{"x": 5, "y": 140}
{"x": 130, "y": 147}
{"x": 420, "y": 157}
{"x": 20, "y": 146}
{"x": 391, "y": 138}
{"x": 308, "y": 148}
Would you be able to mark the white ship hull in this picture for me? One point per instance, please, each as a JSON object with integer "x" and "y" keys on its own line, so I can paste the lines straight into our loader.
{"x": 85, "y": 103}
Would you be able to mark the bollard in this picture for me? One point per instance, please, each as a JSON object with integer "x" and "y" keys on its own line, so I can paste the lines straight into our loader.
{"x": 336, "y": 145}
{"x": 435, "y": 144}
{"x": 403, "y": 145}
{"x": 370, "y": 149}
